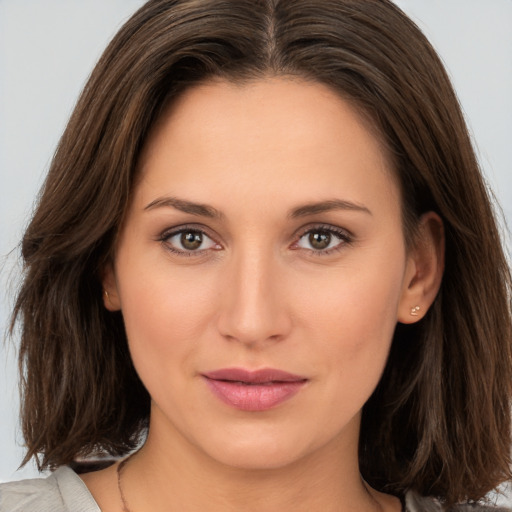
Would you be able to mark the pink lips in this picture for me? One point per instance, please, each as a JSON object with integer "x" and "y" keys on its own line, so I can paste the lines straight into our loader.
{"x": 253, "y": 390}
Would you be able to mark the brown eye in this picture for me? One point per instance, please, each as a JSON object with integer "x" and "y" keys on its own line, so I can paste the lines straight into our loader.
{"x": 319, "y": 240}
{"x": 188, "y": 242}
{"x": 323, "y": 240}
{"x": 191, "y": 240}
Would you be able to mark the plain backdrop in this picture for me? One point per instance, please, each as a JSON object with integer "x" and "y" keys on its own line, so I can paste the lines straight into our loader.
{"x": 48, "y": 48}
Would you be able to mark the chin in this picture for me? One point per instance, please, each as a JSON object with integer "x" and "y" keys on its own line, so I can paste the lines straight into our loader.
{"x": 259, "y": 450}
{"x": 257, "y": 458}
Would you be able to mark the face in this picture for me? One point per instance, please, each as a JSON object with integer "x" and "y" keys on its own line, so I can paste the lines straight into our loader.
{"x": 261, "y": 271}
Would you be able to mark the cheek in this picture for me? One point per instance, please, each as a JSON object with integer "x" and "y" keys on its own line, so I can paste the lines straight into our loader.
{"x": 165, "y": 310}
{"x": 353, "y": 333}
{"x": 353, "y": 312}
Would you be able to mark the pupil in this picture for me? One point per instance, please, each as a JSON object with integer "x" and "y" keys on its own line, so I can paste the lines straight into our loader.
{"x": 320, "y": 239}
{"x": 191, "y": 240}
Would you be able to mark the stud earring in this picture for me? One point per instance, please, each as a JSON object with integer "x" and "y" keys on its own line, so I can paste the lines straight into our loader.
{"x": 106, "y": 295}
{"x": 414, "y": 311}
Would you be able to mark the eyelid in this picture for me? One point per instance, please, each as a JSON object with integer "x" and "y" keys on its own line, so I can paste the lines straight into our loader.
{"x": 169, "y": 233}
{"x": 345, "y": 236}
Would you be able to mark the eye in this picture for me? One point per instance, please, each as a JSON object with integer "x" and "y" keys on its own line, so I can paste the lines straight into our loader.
{"x": 323, "y": 240}
{"x": 186, "y": 241}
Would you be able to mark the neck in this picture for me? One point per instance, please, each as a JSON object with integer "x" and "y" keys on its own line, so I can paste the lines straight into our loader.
{"x": 181, "y": 475}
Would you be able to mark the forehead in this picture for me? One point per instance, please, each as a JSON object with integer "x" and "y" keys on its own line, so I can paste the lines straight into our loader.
{"x": 285, "y": 135}
{"x": 256, "y": 105}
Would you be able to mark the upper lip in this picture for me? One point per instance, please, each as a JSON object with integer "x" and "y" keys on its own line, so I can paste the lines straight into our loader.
{"x": 264, "y": 375}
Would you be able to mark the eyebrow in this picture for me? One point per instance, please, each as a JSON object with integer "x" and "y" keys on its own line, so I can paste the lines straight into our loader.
{"x": 185, "y": 206}
{"x": 327, "y": 206}
{"x": 203, "y": 210}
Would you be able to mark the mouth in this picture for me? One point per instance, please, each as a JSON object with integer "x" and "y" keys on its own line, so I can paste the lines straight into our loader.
{"x": 258, "y": 390}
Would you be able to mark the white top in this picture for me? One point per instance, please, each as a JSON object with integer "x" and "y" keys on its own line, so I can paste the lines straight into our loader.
{"x": 64, "y": 491}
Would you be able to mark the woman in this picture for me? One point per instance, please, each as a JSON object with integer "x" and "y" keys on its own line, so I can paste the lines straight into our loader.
{"x": 265, "y": 262}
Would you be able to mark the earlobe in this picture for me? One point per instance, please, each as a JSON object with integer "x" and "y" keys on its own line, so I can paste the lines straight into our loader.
{"x": 424, "y": 272}
{"x": 110, "y": 294}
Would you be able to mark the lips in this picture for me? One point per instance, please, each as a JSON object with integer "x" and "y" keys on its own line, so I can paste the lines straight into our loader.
{"x": 258, "y": 390}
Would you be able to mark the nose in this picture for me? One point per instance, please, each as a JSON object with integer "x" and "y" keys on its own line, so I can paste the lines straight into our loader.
{"x": 254, "y": 302}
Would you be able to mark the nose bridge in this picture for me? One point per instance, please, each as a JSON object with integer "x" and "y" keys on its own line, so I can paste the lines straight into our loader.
{"x": 253, "y": 309}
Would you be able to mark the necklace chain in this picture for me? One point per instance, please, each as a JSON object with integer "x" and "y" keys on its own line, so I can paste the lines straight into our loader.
{"x": 126, "y": 508}
{"x": 120, "y": 467}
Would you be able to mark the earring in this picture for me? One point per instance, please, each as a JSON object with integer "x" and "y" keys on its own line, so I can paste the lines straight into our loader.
{"x": 414, "y": 311}
{"x": 106, "y": 295}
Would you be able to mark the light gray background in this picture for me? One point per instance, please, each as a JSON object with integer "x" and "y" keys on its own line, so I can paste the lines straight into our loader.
{"x": 48, "y": 48}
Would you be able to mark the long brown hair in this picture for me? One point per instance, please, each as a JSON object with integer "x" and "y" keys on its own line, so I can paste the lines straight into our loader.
{"x": 439, "y": 420}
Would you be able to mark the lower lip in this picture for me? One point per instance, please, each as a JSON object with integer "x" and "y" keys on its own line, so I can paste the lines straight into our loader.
{"x": 254, "y": 397}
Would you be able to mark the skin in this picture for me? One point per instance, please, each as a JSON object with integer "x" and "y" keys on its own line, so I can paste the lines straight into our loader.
{"x": 258, "y": 294}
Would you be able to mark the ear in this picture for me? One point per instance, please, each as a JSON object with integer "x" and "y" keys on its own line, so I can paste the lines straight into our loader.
{"x": 111, "y": 299}
{"x": 424, "y": 270}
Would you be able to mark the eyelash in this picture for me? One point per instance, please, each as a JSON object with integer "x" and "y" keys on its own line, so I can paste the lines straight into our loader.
{"x": 344, "y": 237}
{"x": 166, "y": 236}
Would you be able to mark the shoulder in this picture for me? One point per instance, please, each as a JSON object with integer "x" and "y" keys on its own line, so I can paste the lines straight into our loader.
{"x": 62, "y": 491}
{"x": 416, "y": 503}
